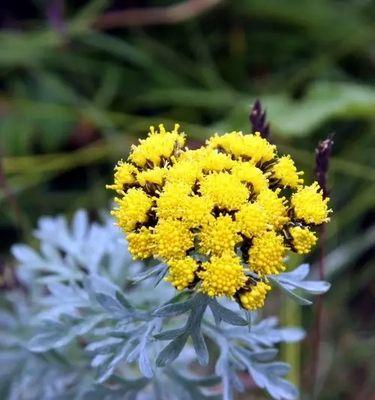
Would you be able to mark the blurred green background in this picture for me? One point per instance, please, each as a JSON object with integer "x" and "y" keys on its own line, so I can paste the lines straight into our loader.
{"x": 78, "y": 87}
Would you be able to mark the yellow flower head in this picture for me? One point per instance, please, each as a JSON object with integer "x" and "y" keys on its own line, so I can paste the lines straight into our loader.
{"x": 141, "y": 244}
{"x": 157, "y": 147}
{"x": 151, "y": 176}
{"x": 250, "y": 147}
{"x": 254, "y": 298}
{"x": 172, "y": 200}
{"x": 197, "y": 211}
{"x": 258, "y": 149}
{"x": 172, "y": 239}
{"x": 224, "y": 204}
{"x": 274, "y": 207}
{"x": 176, "y": 202}
{"x": 225, "y": 190}
{"x": 303, "y": 239}
{"x": 251, "y": 219}
{"x": 230, "y": 143}
{"x": 132, "y": 209}
{"x": 267, "y": 254}
{"x": 212, "y": 160}
{"x": 309, "y": 205}
{"x": 249, "y": 174}
{"x": 286, "y": 172}
{"x": 124, "y": 176}
{"x": 222, "y": 276}
{"x": 219, "y": 236}
{"x": 184, "y": 171}
{"x": 181, "y": 272}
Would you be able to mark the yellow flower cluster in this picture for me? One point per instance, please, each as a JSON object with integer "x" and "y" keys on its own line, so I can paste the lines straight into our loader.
{"x": 222, "y": 217}
{"x": 254, "y": 297}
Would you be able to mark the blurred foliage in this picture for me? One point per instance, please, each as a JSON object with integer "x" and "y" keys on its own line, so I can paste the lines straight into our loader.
{"x": 72, "y": 99}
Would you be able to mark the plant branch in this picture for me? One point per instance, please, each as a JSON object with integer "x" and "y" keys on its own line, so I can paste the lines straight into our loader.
{"x": 322, "y": 158}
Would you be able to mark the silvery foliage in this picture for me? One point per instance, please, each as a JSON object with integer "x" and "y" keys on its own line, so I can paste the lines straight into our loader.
{"x": 90, "y": 323}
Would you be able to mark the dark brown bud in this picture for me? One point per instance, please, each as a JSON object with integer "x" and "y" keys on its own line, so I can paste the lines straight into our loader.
{"x": 322, "y": 155}
{"x": 258, "y": 120}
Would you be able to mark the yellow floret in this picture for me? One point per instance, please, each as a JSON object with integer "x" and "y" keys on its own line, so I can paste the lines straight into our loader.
{"x": 172, "y": 239}
{"x": 212, "y": 160}
{"x": 191, "y": 156}
{"x": 222, "y": 276}
{"x": 132, "y": 209}
{"x": 172, "y": 200}
{"x": 303, "y": 239}
{"x": 286, "y": 172}
{"x": 254, "y": 298}
{"x": 252, "y": 147}
{"x": 155, "y": 175}
{"x": 207, "y": 159}
{"x": 250, "y": 174}
{"x": 124, "y": 175}
{"x": 219, "y": 236}
{"x": 158, "y": 146}
{"x": 140, "y": 243}
{"x": 309, "y": 205}
{"x": 274, "y": 207}
{"x": 257, "y": 148}
{"x": 176, "y": 203}
{"x": 197, "y": 211}
{"x": 231, "y": 143}
{"x": 181, "y": 272}
{"x": 225, "y": 190}
{"x": 267, "y": 253}
{"x": 251, "y": 219}
{"x": 184, "y": 172}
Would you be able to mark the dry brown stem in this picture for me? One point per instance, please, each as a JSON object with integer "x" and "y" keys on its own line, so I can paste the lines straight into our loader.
{"x": 155, "y": 15}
